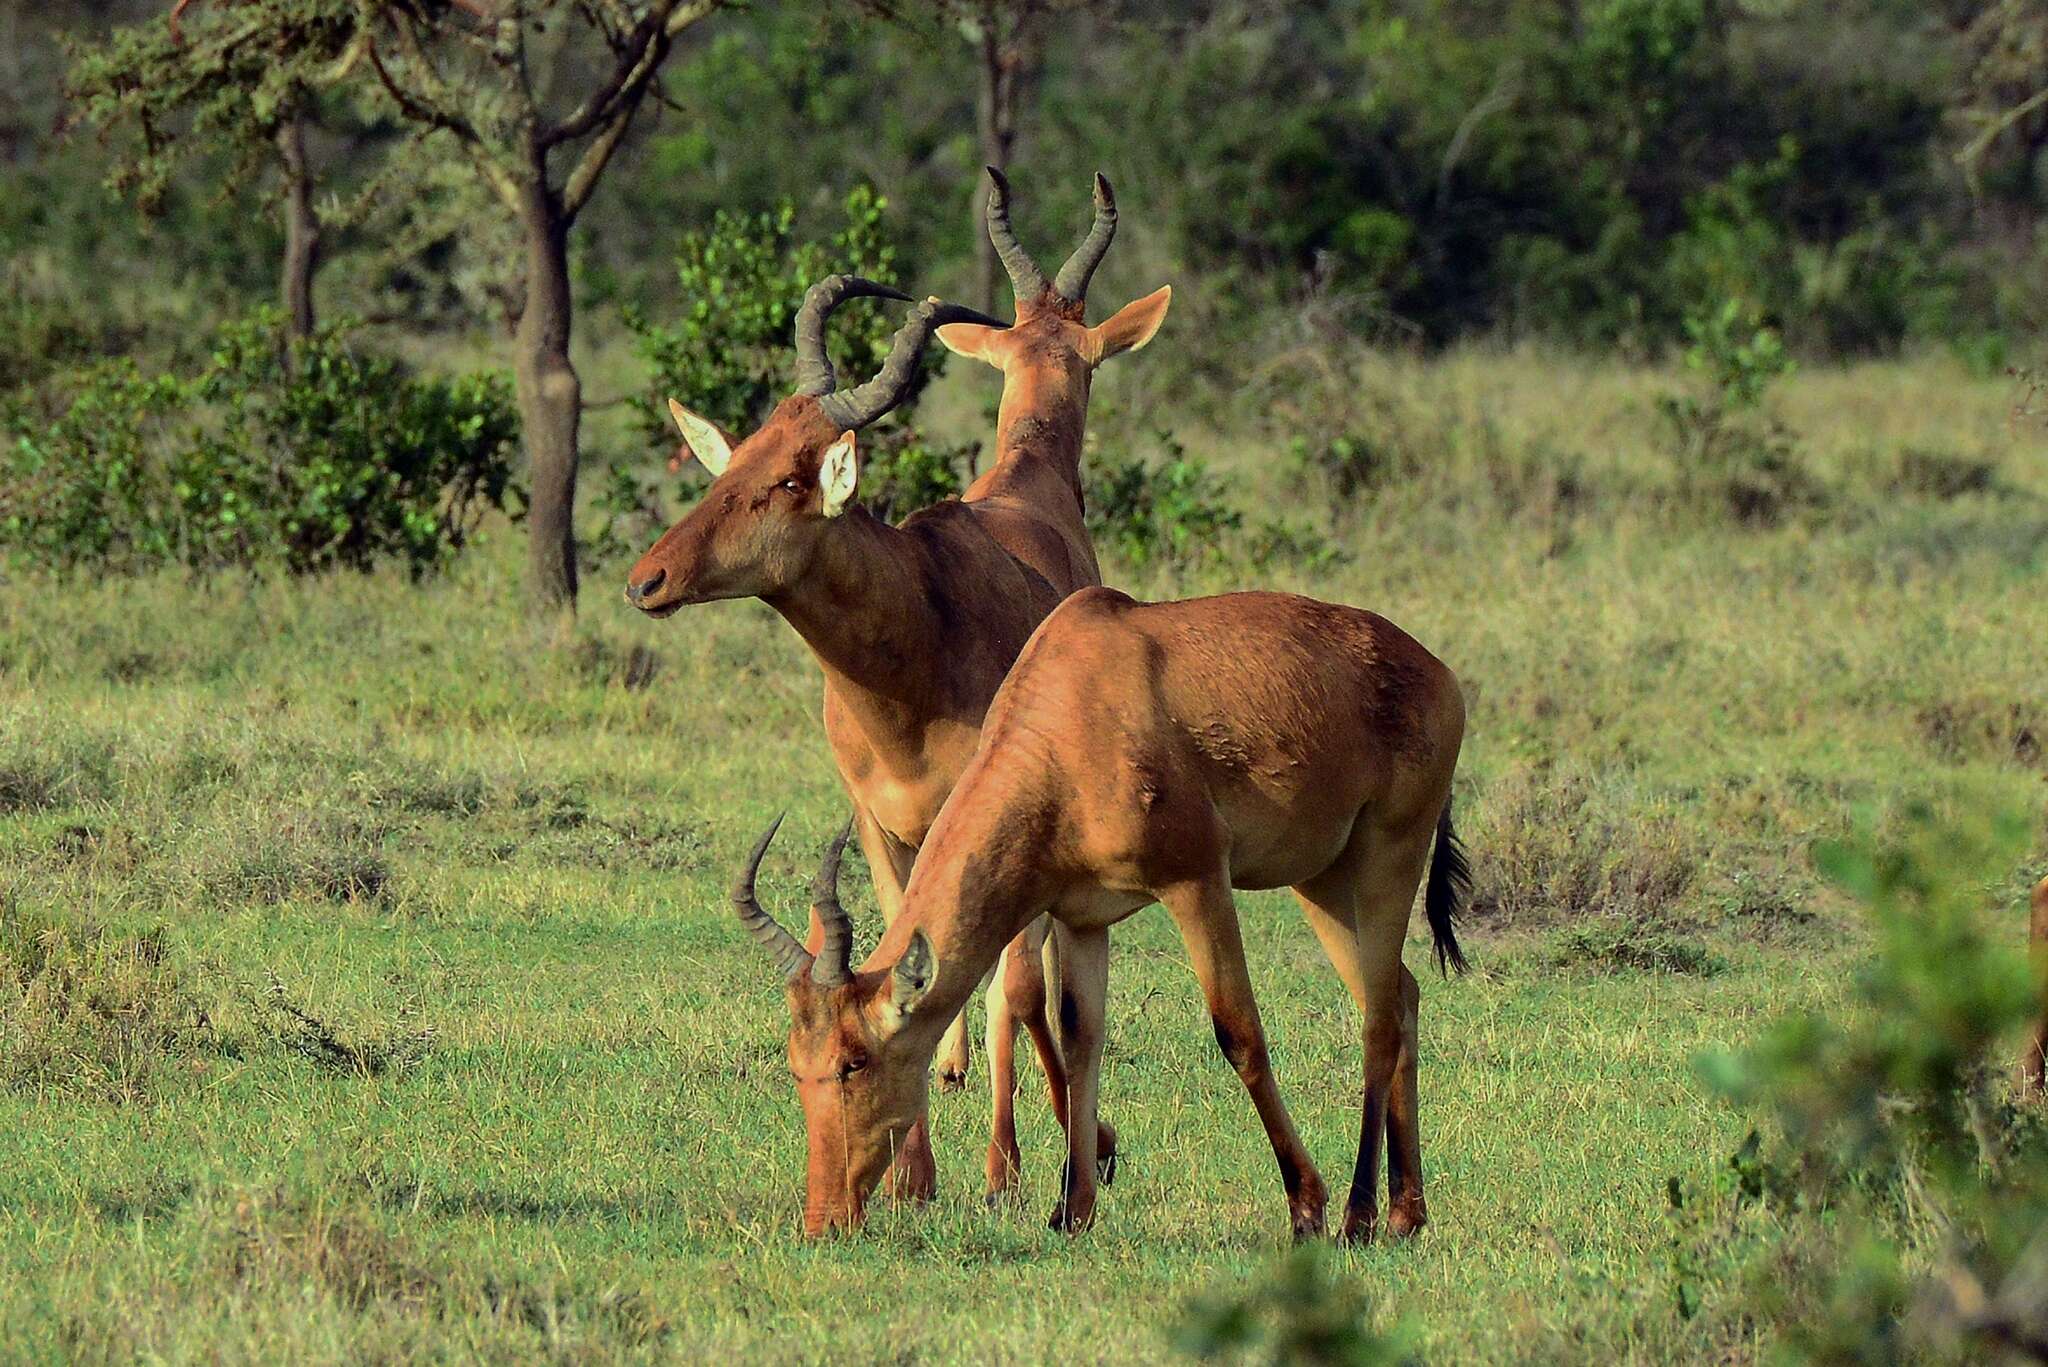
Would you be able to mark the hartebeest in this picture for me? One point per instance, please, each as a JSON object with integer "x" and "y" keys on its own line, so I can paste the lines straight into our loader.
{"x": 1169, "y": 752}
{"x": 2034, "y": 1064}
{"x": 914, "y": 626}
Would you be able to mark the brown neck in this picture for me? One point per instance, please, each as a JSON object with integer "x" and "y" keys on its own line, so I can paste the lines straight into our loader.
{"x": 1039, "y": 427}
{"x": 983, "y": 874}
{"x": 865, "y": 609}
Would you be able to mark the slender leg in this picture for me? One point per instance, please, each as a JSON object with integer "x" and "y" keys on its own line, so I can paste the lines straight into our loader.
{"x": 1387, "y": 871}
{"x": 1030, "y": 962}
{"x": 913, "y": 1176}
{"x": 1207, "y": 918}
{"x": 1406, "y": 1210}
{"x": 1084, "y": 990}
{"x": 1005, "y": 1158}
{"x": 2034, "y": 1065}
{"x": 1327, "y": 906}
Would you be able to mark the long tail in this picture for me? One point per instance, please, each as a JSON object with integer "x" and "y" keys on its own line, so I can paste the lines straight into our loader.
{"x": 1450, "y": 879}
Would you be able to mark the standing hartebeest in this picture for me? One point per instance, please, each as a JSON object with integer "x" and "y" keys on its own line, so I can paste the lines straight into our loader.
{"x": 2034, "y": 1063}
{"x": 1169, "y": 752}
{"x": 914, "y": 626}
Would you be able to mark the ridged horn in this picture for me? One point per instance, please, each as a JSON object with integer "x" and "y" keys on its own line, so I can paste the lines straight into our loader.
{"x": 834, "y": 964}
{"x": 858, "y": 407}
{"x": 1027, "y": 282}
{"x": 789, "y": 956}
{"x": 1072, "y": 282}
{"x": 813, "y": 366}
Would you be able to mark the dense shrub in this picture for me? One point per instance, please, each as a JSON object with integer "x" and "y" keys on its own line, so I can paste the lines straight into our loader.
{"x": 1174, "y": 513}
{"x": 728, "y": 353}
{"x": 1907, "y": 1195}
{"x": 302, "y": 456}
{"x": 1730, "y": 450}
{"x": 1298, "y": 1311}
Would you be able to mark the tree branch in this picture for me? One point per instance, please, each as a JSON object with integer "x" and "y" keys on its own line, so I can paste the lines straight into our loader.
{"x": 423, "y": 110}
{"x": 640, "y": 56}
{"x": 590, "y": 166}
{"x": 1971, "y": 157}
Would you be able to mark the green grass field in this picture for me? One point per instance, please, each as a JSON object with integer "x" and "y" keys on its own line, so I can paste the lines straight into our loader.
{"x": 370, "y": 991}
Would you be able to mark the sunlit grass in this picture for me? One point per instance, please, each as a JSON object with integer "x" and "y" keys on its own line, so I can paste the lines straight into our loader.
{"x": 423, "y": 821}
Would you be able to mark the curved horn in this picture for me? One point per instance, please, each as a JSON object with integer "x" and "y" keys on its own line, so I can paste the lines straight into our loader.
{"x": 790, "y": 957}
{"x": 834, "y": 963}
{"x": 1027, "y": 282}
{"x": 1072, "y": 281}
{"x": 859, "y": 407}
{"x": 813, "y": 366}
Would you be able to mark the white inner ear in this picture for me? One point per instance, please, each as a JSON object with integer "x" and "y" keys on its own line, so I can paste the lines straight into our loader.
{"x": 837, "y": 475}
{"x": 706, "y": 443}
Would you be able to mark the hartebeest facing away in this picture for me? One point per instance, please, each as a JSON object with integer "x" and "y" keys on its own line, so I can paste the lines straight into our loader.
{"x": 2034, "y": 1064}
{"x": 1169, "y": 752}
{"x": 914, "y": 626}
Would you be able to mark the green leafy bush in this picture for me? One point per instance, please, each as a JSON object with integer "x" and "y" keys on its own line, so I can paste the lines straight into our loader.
{"x": 1302, "y": 1311}
{"x": 728, "y": 355}
{"x": 1174, "y": 513}
{"x": 305, "y": 456}
{"x": 1729, "y": 450}
{"x": 1910, "y": 1196}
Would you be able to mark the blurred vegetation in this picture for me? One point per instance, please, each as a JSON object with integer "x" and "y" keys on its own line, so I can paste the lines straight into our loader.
{"x": 1910, "y": 1196}
{"x": 1738, "y": 181}
{"x": 299, "y": 455}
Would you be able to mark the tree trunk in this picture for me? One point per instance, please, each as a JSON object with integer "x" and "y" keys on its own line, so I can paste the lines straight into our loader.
{"x": 301, "y": 229}
{"x": 550, "y": 400}
{"x": 995, "y": 108}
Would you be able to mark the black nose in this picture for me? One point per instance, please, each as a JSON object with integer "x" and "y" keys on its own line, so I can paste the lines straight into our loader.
{"x": 637, "y": 593}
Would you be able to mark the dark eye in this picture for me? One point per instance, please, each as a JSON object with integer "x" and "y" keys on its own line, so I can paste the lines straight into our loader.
{"x": 852, "y": 1066}
{"x": 793, "y": 486}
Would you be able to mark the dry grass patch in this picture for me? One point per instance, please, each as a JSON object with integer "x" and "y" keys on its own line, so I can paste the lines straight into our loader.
{"x": 1550, "y": 846}
{"x": 87, "y": 1011}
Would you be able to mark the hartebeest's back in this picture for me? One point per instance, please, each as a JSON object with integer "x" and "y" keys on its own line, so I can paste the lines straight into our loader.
{"x": 1289, "y": 715}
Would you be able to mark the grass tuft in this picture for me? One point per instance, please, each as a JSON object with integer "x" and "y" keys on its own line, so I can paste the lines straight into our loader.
{"x": 1557, "y": 846}
{"x": 299, "y": 856}
{"x": 86, "y": 1011}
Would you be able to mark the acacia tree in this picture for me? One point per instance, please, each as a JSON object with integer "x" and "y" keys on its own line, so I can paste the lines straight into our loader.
{"x": 490, "y": 78}
{"x": 237, "y": 77}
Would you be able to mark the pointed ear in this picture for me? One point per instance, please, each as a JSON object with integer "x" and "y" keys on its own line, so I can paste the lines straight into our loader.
{"x": 838, "y": 472}
{"x": 913, "y": 975}
{"x": 972, "y": 341}
{"x": 1131, "y": 326}
{"x": 711, "y": 447}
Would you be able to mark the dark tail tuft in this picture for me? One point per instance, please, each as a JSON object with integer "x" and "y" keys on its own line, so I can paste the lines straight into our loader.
{"x": 1450, "y": 879}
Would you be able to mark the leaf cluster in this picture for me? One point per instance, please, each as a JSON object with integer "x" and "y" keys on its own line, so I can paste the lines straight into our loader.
{"x": 301, "y": 455}
{"x": 220, "y": 80}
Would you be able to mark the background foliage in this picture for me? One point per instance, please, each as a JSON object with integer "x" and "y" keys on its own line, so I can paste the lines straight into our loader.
{"x": 1643, "y": 357}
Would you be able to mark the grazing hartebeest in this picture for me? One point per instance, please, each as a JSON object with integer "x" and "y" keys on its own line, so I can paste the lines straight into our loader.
{"x": 1169, "y": 752}
{"x": 2034, "y": 1064}
{"x": 914, "y": 626}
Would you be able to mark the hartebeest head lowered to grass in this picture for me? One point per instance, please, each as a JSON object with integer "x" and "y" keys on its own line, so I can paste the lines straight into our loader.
{"x": 1169, "y": 752}
{"x": 914, "y": 627}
